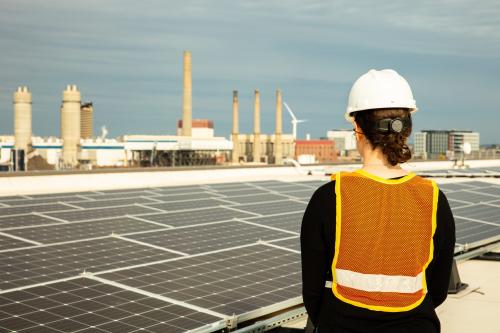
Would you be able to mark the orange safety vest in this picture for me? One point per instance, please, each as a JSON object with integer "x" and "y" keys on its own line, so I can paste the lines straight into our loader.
{"x": 384, "y": 239}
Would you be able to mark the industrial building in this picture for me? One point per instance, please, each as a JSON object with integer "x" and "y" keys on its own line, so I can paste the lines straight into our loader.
{"x": 315, "y": 151}
{"x": 258, "y": 147}
{"x": 445, "y": 144}
{"x": 77, "y": 147}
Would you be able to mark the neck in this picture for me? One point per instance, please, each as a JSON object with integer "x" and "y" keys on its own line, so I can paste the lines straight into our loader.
{"x": 376, "y": 159}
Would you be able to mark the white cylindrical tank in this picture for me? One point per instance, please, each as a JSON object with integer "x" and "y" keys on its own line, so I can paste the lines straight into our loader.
{"x": 70, "y": 125}
{"x": 22, "y": 118}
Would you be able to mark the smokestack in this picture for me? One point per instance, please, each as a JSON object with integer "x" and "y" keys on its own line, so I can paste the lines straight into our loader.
{"x": 278, "y": 148}
{"x": 22, "y": 119}
{"x": 256, "y": 128}
{"x": 236, "y": 146}
{"x": 70, "y": 124}
{"x": 86, "y": 120}
{"x": 187, "y": 106}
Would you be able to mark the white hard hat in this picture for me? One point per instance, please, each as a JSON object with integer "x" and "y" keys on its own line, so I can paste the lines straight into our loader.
{"x": 380, "y": 90}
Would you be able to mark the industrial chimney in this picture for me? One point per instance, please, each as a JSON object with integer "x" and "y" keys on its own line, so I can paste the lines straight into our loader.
{"x": 22, "y": 118}
{"x": 187, "y": 108}
{"x": 278, "y": 148}
{"x": 22, "y": 127}
{"x": 256, "y": 128}
{"x": 70, "y": 125}
{"x": 236, "y": 146}
{"x": 86, "y": 120}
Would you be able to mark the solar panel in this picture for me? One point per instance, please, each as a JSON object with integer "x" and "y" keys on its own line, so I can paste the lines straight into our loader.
{"x": 84, "y": 305}
{"x": 241, "y": 191}
{"x": 262, "y": 197}
{"x": 469, "y": 196}
{"x": 98, "y": 213}
{"x": 38, "y": 201}
{"x": 289, "y": 222}
{"x": 113, "y": 202}
{"x": 47, "y": 263}
{"x": 111, "y": 196}
{"x": 302, "y": 194}
{"x": 469, "y": 232}
{"x": 481, "y": 212}
{"x": 185, "y": 196}
{"x": 238, "y": 281}
{"x": 187, "y": 204}
{"x": 4, "y": 211}
{"x": 12, "y": 243}
{"x": 200, "y": 216}
{"x": 209, "y": 237}
{"x": 274, "y": 207}
{"x": 83, "y": 230}
{"x": 290, "y": 243}
{"x": 25, "y": 220}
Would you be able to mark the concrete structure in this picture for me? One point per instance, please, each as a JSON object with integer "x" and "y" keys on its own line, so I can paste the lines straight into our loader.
{"x": 256, "y": 129}
{"x": 234, "y": 134}
{"x": 187, "y": 106}
{"x": 22, "y": 127}
{"x": 86, "y": 120}
{"x": 267, "y": 147}
{"x": 322, "y": 150}
{"x": 22, "y": 118}
{"x": 278, "y": 151}
{"x": 200, "y": 128}
{"x": 70, "y": 125}
{"x": 345, "y": 140}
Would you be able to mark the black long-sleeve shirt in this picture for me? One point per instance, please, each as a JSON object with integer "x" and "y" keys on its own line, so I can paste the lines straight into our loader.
{"x": 329, "y": 314}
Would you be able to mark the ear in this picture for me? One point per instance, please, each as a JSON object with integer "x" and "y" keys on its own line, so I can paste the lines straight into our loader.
{"x": 358, "y": 131}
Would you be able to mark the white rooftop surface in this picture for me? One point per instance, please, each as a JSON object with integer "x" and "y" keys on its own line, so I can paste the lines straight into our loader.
{"x": 477, "y": 309}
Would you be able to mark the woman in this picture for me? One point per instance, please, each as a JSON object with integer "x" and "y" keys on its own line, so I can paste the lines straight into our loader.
{"x": 377, "y": 243}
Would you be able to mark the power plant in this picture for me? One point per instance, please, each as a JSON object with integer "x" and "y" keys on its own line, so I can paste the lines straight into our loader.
{"x": 193, "y": 144}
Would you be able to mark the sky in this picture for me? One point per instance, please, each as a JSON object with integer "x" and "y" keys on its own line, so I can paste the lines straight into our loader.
{"x": 126, "y": 57}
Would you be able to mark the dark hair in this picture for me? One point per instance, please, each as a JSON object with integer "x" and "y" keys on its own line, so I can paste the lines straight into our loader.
{"x": 393, "y": 144}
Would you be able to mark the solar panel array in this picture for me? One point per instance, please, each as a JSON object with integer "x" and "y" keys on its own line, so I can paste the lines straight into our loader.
{"x": 170, "y": 259}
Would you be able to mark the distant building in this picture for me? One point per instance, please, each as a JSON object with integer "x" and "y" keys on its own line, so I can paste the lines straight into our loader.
{"x": 322, "y": 150}
{"x": 444, "y": 144}
{"x": 345, "y": 140}
{"x": 86, "y": 120}
{"x": 200, "y": 128}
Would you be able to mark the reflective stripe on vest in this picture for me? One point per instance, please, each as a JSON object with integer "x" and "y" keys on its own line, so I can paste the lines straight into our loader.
{"x": 384, "y": 240}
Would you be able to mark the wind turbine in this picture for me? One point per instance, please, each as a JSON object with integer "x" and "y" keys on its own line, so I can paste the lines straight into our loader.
{"x": 295, "y": 121}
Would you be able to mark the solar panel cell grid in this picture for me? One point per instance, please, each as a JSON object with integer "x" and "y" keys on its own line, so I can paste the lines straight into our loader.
{"x": 274, "y": 207}
{"x": 83, "y": 304}
{"x": 289, "y": 222}
{"x": 34, "y": 208}
{"x": 92, "y": 214}
{"x": 46, "y": 263}
{"x": 209, "y": 237}
{"x": 7, "y": 243}
{"x": 195, "y": 217}
{"x": 230, "y": 275}
{"x": 24, "y": 221}
{"x": 83, "y": 230}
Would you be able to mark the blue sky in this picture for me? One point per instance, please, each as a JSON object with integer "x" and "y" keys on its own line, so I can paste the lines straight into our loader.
{"x": 126, "y": 57}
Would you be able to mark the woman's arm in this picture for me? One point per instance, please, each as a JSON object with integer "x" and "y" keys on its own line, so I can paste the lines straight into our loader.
{"x": 439, "y": 270}
{"x": 313, "y": 252}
